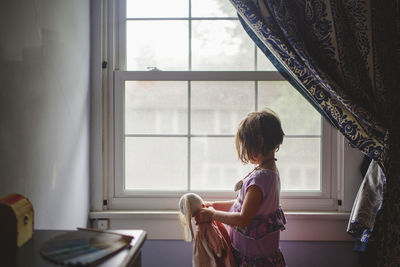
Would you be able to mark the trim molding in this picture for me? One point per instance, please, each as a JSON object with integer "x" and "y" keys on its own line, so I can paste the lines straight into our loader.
{"x": 165, "y": 225}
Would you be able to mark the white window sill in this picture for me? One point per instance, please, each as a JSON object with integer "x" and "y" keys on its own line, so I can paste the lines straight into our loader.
{"x": 164, "y": 225}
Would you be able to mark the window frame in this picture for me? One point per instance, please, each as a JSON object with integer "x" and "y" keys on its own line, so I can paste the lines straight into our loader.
{"x": 114, "y": 78}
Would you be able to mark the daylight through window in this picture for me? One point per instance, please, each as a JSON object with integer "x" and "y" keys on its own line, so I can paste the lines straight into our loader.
{"x": 189, "y": 75}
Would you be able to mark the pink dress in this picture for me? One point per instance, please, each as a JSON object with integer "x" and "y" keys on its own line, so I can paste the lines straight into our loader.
{"x": 212, "y": 246}
{"x": 258, "y": 244}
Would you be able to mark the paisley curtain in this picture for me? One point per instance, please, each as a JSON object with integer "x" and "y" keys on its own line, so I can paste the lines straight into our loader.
{"x": 366, "y": 206}
{"x": 343, "y": 57}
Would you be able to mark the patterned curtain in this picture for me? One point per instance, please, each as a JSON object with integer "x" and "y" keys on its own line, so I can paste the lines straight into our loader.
{"x": 343, "y": 56}
{"x": 366, "y": 206}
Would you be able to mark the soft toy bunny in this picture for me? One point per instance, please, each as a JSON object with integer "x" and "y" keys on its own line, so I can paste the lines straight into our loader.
{"x": 211, "y": 241}
{"x": 189, "y": 204}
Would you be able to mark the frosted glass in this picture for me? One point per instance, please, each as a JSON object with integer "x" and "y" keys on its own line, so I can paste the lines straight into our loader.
{"x": 157, "y": 8}
{"x": 215, "y": 165}
{"x": 296, "y": 114}
{"x": 155, "y": 163}
{"x": 263, "y": 63}
{"x": 212, "y": 8}
{"x": 160, "y": 44}
{"x": 218, "y": 107}
{"x": 221, "y": 45}
{"x": 299, "y": 161}
{"x": 156, "y": 107}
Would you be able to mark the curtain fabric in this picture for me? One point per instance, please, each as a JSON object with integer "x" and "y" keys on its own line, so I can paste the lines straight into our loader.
{"x": 366, "y": 206}
{"x": 343, "y": 56}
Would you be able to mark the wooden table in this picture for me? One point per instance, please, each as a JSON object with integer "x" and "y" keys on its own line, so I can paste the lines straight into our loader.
{"x": 29, "y": 255}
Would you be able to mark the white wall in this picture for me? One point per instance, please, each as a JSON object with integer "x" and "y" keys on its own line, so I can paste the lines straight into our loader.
{"x": 45, "y": 106}
{"x": 352, "y": 175}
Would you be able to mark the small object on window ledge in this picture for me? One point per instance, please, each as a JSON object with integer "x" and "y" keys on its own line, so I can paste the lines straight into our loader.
{"x": 153, "y": 69}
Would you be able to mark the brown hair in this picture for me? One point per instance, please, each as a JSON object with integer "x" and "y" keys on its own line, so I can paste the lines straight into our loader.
{"x": 259, "y": 132}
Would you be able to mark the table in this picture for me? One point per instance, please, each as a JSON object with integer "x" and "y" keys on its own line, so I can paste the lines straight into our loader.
{"x": 29, "y": 255}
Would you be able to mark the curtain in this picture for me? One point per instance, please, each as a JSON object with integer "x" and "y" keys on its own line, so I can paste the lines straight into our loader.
{"x": 366, "y": 206}
{"x": 343, "y": 57}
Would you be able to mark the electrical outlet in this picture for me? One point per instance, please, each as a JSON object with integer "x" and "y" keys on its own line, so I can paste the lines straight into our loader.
{"x": 101, "y": 224}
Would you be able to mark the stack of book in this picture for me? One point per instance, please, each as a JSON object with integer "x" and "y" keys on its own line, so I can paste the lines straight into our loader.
{"x": 83, "y": 247}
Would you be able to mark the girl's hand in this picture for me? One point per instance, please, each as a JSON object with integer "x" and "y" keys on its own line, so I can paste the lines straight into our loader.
{"x": 207, "y": 204}
{"x": 204, "y": 215}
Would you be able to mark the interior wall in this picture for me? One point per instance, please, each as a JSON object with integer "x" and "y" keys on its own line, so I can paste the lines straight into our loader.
{"x": 296, "y": 253}
{"x": 352, "y": 175}
{"x": 45, "y": 106}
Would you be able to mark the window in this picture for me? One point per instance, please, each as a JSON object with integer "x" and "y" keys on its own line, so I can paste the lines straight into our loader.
{"x": 185, "y": 74}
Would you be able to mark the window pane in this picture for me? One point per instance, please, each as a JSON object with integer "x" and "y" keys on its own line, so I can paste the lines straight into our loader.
{"x": 155, "y": 107}
{"x": 221, "y": 45}
{"x": 161, "y": 44}
{"x": 156, "y": 8}
{"x": 263, "y": 62}
{"x": 215, "y": 165}
{"x": 156, "y": 163}
{"x": 212, "y": 8}
{"x": 299, "y": 164}
{"x": 296, "y": 114}
{"x": 217, "y": 107}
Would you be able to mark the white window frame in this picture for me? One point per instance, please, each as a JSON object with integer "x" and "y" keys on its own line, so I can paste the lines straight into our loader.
{"x": 113, "y": 37}
{"x": 150, "y": 200}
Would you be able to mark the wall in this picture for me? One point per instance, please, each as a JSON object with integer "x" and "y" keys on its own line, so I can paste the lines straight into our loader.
{"x": 297, "y": 254}
{"x": 45, "y": 106}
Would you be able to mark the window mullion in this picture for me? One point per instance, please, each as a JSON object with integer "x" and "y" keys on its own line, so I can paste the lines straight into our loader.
{"x": 256, "y": 94}
{"x": 189, "y": 98}
{"x": 190, "y": 35}
{"x": 189, "y": 137}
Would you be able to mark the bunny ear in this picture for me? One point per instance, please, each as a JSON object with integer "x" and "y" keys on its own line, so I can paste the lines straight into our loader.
{"x": 189, "y": 217}
{"x": 186, "y": 231}
{"x": 185, "y": 217}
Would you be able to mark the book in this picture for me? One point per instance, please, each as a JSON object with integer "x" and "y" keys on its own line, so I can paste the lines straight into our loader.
{"x": 84, "y": 247}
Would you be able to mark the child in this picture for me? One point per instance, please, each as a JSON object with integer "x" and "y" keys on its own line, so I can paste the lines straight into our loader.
{"x": 255, "y": 217}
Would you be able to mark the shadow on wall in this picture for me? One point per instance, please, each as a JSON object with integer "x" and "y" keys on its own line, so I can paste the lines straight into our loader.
{"x": 45, "y": 108}
{"x": 297, "y": 254}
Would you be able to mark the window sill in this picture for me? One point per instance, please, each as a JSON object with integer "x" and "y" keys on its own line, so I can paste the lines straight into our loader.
{"x": 301, "y": 226}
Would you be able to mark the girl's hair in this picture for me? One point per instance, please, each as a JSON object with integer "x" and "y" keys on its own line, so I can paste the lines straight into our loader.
{"x": 259, "y": 132}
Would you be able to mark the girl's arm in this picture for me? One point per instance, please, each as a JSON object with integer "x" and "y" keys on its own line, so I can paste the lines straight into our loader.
{"x": 252, "y": 202}
{"x": 220, "y": 205}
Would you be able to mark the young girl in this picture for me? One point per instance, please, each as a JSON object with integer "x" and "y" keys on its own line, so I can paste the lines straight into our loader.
{"x": 255, "y": 217}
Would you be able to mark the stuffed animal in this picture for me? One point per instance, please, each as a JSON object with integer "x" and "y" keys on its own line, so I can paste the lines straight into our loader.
{"x": 189, "y": 204}
{"x": 211, "y": 242}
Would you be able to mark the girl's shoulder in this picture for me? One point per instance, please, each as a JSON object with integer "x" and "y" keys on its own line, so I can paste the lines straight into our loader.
{"x": 264, "y": 178}
{"x": 265, "y": 175}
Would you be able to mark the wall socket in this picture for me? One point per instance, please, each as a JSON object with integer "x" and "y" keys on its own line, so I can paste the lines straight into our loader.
{"x": 101, "y": 224}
